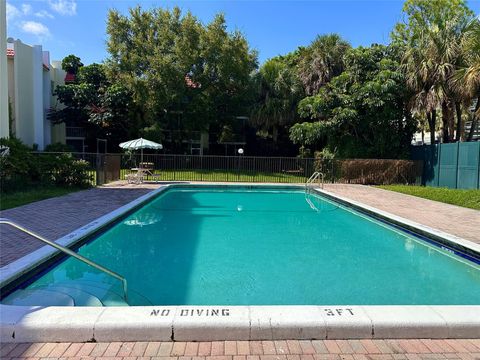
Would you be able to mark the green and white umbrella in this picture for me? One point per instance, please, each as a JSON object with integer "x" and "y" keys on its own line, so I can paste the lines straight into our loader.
{"x": 140, "y": 144}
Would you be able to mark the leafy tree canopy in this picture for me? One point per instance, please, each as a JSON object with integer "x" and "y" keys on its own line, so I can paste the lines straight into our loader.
{"x": 361, "y": 112}
{"x": 172, "y": 63}
{"x": 71, "y": 64}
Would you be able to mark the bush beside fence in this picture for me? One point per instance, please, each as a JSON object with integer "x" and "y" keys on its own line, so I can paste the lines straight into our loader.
{"x": 371, "y": 171}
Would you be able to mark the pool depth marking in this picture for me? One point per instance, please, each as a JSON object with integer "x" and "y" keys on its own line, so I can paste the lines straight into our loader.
{"x": 225, "y": 312}
{"x": 195, "y": 312}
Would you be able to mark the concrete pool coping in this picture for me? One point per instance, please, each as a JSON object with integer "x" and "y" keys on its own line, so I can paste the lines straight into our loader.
{"x": 208, "y": 323}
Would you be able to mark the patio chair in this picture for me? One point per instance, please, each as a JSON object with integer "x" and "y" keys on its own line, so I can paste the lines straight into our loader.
{"x": 136, "y": 177}
{"x": 151, "y": 173}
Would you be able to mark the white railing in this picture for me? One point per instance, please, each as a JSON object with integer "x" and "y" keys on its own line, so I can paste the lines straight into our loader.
{"x": 316, "y": 176}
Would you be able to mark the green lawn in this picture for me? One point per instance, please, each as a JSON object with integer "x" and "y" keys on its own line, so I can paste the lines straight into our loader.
{"x": 221, "y": 176}
{"x": 466, "y": 198}
{"x": 14, "y": 199}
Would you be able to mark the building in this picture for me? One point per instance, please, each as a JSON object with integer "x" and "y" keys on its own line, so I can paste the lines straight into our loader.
{"x": 3, "y": 71}
{"x": 31, "y": 80}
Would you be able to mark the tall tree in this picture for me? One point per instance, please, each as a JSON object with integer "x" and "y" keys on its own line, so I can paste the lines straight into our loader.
{"x": 71, "y": 64}
{"x": 468, "y": 76}
{"x": 94, "y": 103}
{"x": 321, "y": 61}
{"x": 278, "y": 92}
{"x": 362, "y": 112}
{"x": 430, "y": 38}
{"x": 173, "y": 64}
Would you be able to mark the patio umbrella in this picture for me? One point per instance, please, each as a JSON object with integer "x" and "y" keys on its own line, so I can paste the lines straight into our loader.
{"x": 140, "y": 144}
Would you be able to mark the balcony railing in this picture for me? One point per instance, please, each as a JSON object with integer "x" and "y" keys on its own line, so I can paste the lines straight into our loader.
{"x": 75, "y": 132}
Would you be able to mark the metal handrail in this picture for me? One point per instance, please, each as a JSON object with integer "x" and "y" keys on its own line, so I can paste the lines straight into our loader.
{"x": 317, "y": 175}
{"x": 70, "y": 253}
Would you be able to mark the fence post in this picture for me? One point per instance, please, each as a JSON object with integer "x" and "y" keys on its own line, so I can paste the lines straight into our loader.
{"x": 478, "y": 166}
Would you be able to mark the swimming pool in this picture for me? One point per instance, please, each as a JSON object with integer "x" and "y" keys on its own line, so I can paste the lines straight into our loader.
{"x": 255, "y": 246}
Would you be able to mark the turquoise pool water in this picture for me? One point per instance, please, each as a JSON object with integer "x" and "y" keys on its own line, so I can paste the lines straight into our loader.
{"x": 217, "y": 246}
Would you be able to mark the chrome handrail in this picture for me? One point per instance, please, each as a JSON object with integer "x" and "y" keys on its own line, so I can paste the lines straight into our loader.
{"x": 70, "y": 253}
{"x": 317, "y": 175}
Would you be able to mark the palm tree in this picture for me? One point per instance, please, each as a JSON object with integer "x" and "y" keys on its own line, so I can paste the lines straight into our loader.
{"x": 279, "y": 92}
{"x": 468, "y": 76}
{"x": 422, "y": 78}
{"x": 321, "y": 61}
{"x": 429, "y": 64}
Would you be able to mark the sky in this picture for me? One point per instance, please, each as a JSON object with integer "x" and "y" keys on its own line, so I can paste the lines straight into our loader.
{"x": 273, "y": 28}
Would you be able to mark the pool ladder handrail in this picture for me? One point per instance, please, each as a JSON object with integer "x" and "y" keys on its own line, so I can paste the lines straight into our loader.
{"x": 69, "y": 252}
{"x": 317, "y": 175}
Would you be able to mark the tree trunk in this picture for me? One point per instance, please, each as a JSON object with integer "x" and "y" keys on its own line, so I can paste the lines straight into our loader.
{"x": 432, "y": 119}
{"x": 275, "y": 134}
{"x": 459, "y": 135}
{"x": 451, "y": 121}
{"x": 474, "y": 121}
{"x": 445, "y": 122}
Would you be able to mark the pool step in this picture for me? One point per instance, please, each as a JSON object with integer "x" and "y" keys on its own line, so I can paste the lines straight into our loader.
{"x": 78, "y": 293}
{"x": 105, "y": 293}
{"x": 80, "y": 296}
{"x": 106, "y": 296}
{"x": 39, "y": 297}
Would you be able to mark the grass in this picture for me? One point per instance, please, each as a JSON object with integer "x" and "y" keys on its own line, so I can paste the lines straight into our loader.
{"x": 221, "y": 175}
{"x": 465, "y": 198}
{"x": 18, "y": 198}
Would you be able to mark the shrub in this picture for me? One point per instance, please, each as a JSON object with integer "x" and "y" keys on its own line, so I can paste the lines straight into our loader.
{"x": 64, "y": 170}
{"x": 324, "y": 163}
{"x": 19, "y": 167}
{"x": 58, "y": 147}
{"x": 377, "y": 171}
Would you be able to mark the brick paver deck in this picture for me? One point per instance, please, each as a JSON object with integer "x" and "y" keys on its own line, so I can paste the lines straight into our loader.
{"x": 451, "y": 219}
{"x": 250, "y": 350}
{"x": 56, "y": 217}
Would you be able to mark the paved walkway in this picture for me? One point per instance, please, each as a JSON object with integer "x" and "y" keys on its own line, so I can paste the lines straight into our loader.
{"x": 56, "y": 217}
{"x": 451, "y": 219}
{"x": 250, "y": 350}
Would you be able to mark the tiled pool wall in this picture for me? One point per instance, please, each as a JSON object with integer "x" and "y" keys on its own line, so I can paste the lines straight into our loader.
{"x": 207, "y": 323}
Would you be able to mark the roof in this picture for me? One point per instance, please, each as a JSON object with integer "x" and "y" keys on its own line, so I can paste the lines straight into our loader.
{"x": 69, "y": 78}
{"x": 190, "y": 83}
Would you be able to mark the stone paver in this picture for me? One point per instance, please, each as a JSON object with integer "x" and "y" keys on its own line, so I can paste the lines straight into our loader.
{"x": 56, "y": 217}
{"x": 451, "y": 219}
{"x": 423, "y": 349}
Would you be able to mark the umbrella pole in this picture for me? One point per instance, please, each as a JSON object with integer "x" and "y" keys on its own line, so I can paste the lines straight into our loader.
{"x": 141, "y": 158}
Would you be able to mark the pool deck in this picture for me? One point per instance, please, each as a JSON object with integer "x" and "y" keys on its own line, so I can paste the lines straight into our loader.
{"x": 249, "y": 350}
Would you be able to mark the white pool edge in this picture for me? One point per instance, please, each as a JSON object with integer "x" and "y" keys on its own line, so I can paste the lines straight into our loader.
{"x": 209, "y": 323}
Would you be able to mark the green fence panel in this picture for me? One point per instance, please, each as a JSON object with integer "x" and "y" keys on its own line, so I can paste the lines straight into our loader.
{"x": 454, "y": 165}
{"x": 431, "y": 165}
{"x": 468, "y": 165}
{"x": 448, "y": 165}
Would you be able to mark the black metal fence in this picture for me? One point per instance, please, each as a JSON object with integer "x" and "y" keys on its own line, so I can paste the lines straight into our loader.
{"x": 220, "y": 168}
{"x": 104, "y": 168}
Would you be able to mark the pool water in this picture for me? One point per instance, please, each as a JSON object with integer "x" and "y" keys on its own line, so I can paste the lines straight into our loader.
{"x": 240, "y": 246}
